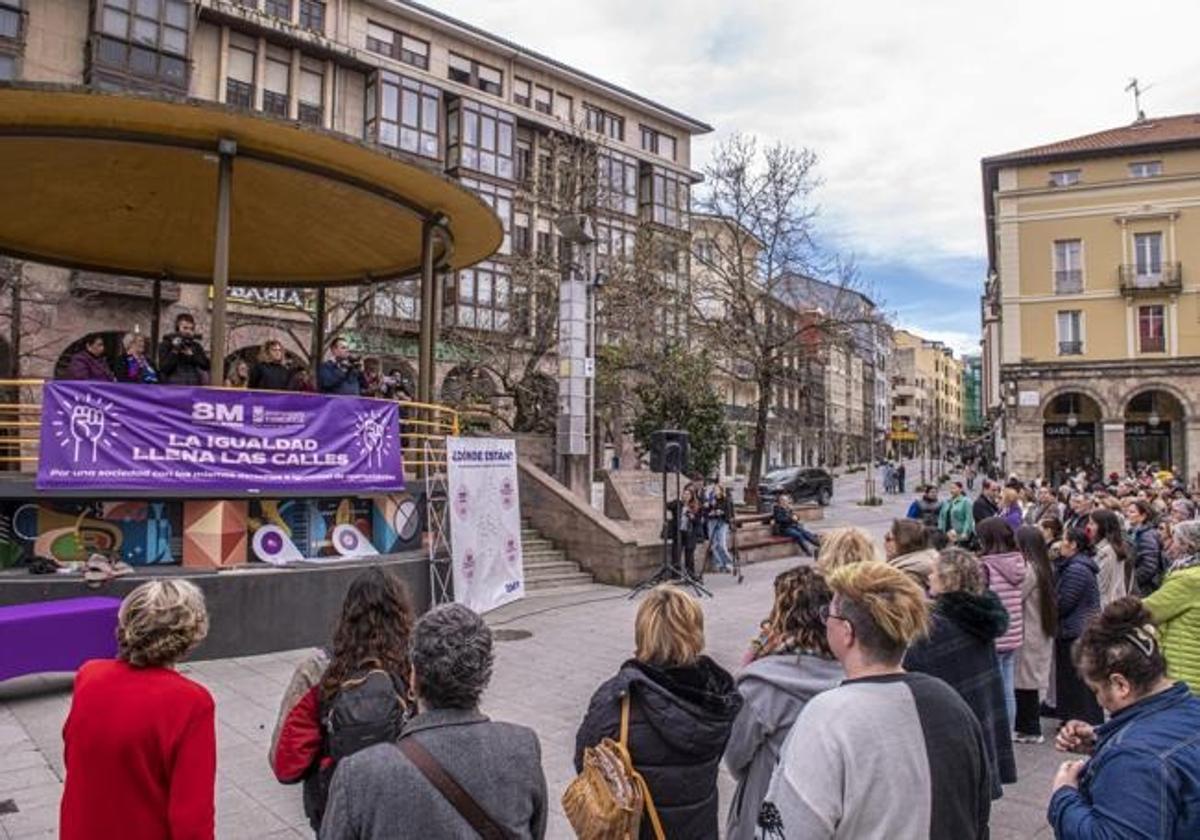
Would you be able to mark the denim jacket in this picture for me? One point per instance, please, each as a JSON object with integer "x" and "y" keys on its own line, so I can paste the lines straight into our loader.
{"x": 1143, "y": 779}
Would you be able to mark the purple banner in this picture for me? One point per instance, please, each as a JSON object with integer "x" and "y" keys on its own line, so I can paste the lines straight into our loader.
{"x": 160, "y": 437}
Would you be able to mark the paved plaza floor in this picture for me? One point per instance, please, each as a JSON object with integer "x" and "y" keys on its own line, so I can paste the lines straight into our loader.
{"x": 570, "y": 643}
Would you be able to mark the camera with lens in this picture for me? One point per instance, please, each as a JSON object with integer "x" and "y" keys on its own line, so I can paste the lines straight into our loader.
{"x": 354, "y": 361}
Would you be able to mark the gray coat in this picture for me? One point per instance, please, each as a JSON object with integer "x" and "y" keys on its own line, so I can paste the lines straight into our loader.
{"x": 775, "y": 689}
{"x": 377, "y": 794}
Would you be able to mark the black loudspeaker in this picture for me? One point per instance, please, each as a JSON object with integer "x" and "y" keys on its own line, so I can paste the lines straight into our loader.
{"x": 669, "y": 451}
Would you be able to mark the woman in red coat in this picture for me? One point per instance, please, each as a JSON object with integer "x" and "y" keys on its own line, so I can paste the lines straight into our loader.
{"x": 140, "y": 740}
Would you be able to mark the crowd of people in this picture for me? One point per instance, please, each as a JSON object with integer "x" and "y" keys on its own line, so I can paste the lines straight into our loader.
{"x": 882, "y": 696}
{"x": 182, "y": 360}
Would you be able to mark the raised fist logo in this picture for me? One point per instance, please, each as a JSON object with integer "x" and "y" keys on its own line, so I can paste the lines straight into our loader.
{"x": 87, "y": 426}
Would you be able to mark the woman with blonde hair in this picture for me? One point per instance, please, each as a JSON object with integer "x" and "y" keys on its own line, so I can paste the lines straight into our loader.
{"x": 239, "y": 374}
{"x": 133, "y": 366}
{"x": 682, "y": 706}
{"x": 139, "y": 743}
{"x": 843, "y": 547}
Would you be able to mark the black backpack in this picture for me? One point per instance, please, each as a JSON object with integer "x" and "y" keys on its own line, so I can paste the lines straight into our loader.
{"x": 368, "y": 709}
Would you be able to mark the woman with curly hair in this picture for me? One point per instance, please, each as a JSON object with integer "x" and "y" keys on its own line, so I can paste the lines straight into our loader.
{"x": 372, "y": 637}
{"x": 792, "y": 664}
{"x": 139, "y": 743}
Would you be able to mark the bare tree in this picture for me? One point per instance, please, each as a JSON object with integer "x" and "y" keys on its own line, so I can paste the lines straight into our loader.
{"x": 766, "y": 299}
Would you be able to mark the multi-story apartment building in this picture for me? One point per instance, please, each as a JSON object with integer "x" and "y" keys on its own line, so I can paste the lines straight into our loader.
{"x": 534, "y": 137}
{"x": 856, "y": 347}
{"x": 795, "y": 415}
{"x": 926, "y": 397}
{"x": 1092, "y": 306}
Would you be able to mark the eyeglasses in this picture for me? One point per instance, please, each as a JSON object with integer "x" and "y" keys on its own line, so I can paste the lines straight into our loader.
{"x": 825, "y": 614}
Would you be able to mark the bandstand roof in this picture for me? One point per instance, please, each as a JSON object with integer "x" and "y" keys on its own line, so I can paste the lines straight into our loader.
{"x": 127, "y": 184}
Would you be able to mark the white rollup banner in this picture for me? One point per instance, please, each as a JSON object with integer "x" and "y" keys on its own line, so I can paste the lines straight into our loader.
{"x": 485, "y": 522}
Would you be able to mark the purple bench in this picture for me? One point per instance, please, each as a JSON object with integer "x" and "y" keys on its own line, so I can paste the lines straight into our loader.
{"x": 56, "y": 635}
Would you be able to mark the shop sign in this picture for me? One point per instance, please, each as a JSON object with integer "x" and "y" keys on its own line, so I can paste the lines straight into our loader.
{"x": 1065, "y": 430}
{"x": 1163, "y": 429}
{"x": 285, "y": 298}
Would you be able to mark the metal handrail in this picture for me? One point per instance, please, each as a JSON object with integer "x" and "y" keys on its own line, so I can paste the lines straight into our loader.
{"x": 1168, "y": 278}
{"x": 420, "y": 422}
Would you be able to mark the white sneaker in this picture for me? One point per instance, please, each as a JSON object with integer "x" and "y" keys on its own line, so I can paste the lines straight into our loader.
{"x": 1022, "y": 738}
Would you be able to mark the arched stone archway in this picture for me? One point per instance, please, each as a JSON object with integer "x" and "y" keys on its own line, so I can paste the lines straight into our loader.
{"x": 1105, "y": 406}
{"x": 1155, "y": 428}
{"x": 1072, "y": 434}
{"x": 113, "y": 348}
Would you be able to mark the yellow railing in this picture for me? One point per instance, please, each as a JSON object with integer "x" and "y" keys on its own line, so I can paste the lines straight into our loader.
{"x": 424, "y": 428}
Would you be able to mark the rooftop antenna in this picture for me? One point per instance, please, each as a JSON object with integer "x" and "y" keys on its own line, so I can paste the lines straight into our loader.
{"x": 1138, "y": 90}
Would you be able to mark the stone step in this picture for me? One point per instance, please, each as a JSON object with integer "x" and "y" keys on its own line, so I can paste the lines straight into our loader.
{"x": 542, "y": 552}
{"x": 542, "y": 569}
{"x": 536, "y": 545}
{"x": 557, "y": 580}
{"x": 568, "y": 589}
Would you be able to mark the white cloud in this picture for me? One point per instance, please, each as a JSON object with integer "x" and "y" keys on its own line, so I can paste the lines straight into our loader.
{"x": 901, "y": 100}
{"x": 962, "y": 343}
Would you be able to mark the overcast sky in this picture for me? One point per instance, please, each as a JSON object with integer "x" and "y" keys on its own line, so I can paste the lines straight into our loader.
{"x": 899, "y": 99}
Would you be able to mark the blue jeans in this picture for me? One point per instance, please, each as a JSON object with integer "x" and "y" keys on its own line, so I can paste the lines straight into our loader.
{"x": 1007, "y": 662}
{"x": 803, "y": 537}
{"x": 717, "y": 538}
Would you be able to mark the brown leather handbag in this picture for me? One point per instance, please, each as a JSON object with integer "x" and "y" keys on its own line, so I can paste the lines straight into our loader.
{"x": 607, "y": 799}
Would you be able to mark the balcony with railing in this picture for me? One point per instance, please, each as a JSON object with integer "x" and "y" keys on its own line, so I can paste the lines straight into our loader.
{"x": 1070, "y": 348}
{"x": 1138, "y": 280}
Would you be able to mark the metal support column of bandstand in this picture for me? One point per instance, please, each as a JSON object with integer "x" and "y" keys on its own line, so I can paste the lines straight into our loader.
{"x": 226, "y": 149}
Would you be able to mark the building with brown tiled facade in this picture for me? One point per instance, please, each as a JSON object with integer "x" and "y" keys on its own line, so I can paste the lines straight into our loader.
{"x": 408, "y": 78}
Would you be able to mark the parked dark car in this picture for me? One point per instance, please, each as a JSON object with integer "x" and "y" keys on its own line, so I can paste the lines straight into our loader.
{"x": 801, "y": 483}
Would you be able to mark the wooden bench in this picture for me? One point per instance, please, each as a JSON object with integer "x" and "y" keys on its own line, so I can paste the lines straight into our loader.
{"x": 755, "y": 540}
{"x": 48, "y": 636}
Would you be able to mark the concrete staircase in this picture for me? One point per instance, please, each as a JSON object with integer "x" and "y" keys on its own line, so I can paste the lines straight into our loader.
{"x": 546, "y": 566}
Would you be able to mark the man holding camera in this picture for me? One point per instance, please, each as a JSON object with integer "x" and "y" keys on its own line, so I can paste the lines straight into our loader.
{"x": 181, "y": 356}
{"x": 343, "y": 373}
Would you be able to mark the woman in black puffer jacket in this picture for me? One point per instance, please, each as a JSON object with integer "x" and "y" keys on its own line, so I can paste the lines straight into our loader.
{"x": 682, "y": 710}
{"x": 961, "y": 650}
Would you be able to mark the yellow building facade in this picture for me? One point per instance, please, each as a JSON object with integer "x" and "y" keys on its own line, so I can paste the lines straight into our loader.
{"x": 1091, "y": 313}
{"x": 926, "y": 396}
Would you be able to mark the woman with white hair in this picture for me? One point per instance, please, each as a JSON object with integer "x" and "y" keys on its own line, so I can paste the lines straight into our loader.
{"x": 133, "y": 365}
{"x": 139, "y": 743}
{"x": 1175, "y": 605}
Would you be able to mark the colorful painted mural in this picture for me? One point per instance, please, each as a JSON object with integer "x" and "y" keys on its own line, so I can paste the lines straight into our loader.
{"x": 140, "y": 533}
{"x": 146, "y": 533}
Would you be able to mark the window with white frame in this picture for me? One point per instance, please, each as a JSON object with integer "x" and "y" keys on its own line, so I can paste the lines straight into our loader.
{"x": 1152, "y": 333}
{"x": 239, "y": 79}
{"x": 403, "y": 113}
{"x": 1068, "y": 266}
{"x": 657, "y": 143}
{"x": 543, "y": 99}
{"x": 1065, "y": 177}
{"x": 141, "y": 43}
{"x": 1145, "y": 169}
{"x": 276, "y": 82}
{"x": 311, "y": 92}
{"x": 386, "y": 41}
{"x": 1147, "y": 249}
{"x": 500, "y": 199}
{"x": 476, "y": 74}
{"x": 522, "y": 91}
{"x": 1070, "y": 333}
{"x": 481, "y": 138}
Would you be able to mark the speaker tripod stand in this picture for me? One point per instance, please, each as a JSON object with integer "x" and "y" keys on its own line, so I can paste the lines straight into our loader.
{"x": 668, "y": 572}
